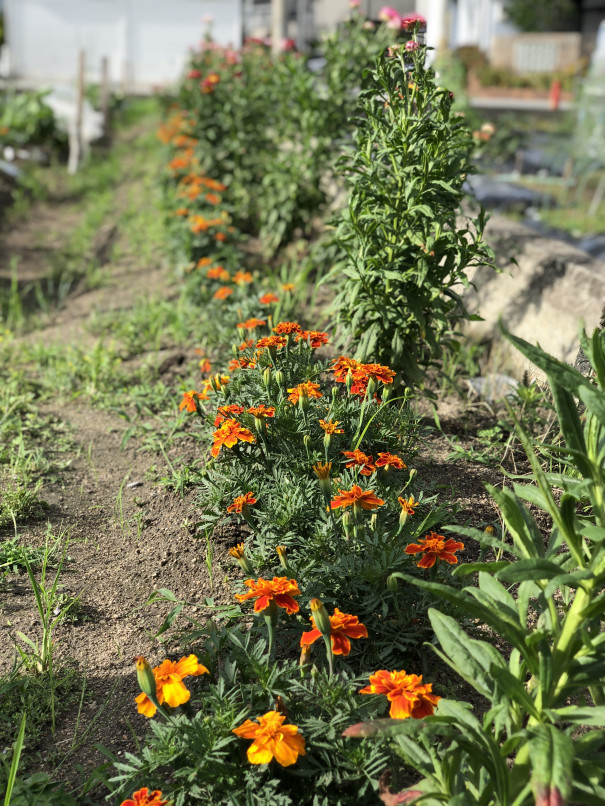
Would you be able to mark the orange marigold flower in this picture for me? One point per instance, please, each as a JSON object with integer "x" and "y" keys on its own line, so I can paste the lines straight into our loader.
{"x": 360, "y": 459}
{"x": 379, "y": 372}
{"x": 343, "y": 627}
{"x": 271, "y": 342}
{"x": 316, "y": 338}
{"x": 241, "y": 501}
{"x": 223, "y": 292}
{"x": 272, "y": 740}
{"x": 188, "y": 401}
{"x": 341, "y": 366}
{"x": 181, "y": 211}
{"x": 226, "y": 412}
{"x": 267, "y": 299}
{"x": 307, "y": 389}
{"x": 389, "y": 460}
{"x": 218, "y": 273}
{"x": 262, "y": 411}
{"x": 435, "y": 547}
{"x": 169, "y": 682}
{"x": 203, "y": 261}
{"x": 407, "y": 505}
{"x": 241, "y": 363}
{"x": 246, "y": 344}
{"x": 143, "y": 797}
{"x": 229, "y": 434}
{"x": 331, "y": 427}
{"x": 279, "y": 590}
{"x": 208, "y": 84}
{"x": 251, "y": 324}
{"x": 205, "y": 366}
{"x": 287, "y": 328}
{"x": 212, "y": 198}
{"x": 242, "y": 277}
{"x": 408, "y": 695}
{"x": 220, "y": 236}
{"x": 357, "y": 497}
{"x": 288, "y": 287}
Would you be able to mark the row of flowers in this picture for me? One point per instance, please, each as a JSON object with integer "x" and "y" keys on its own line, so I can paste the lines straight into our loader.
{"x": 279, "y": 393}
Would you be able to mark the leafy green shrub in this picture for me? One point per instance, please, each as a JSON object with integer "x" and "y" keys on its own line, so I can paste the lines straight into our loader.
{"x": 405, "y": 251}
{"x": 543, "y": 677}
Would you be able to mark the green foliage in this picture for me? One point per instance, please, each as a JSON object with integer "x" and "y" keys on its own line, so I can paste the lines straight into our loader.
{"x": 540, "y": 739}
{"x": 25, "y": 119}
{"x": 274, "y": 127}
{"x": 208, "y": 761}
{"x": 543, "y": 15}
{"x": 405, "y": 250}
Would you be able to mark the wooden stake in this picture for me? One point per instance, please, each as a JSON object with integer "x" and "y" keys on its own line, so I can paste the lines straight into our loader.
{"x": 278, "y": 24}
{"x": 105, "y": 94}
{"x": 76, "y": 144}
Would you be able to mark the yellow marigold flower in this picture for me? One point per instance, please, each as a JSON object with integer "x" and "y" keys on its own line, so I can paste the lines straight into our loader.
{"x": 229, "y": 434}
{"x": 272, "y": 740}
{"x": 169, "y": 684}
{"x": 331, "y": 426}
{"x": 306, "y": 390}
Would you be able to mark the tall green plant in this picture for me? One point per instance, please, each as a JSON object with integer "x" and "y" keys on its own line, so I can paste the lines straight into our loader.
{"x": 541, "y": 738}
{"x": 406, "y": 252}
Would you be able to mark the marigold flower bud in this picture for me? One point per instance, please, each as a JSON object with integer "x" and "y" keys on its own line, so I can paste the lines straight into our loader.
{"x": 215, "y": 382}
{"x": 327, "y": 441}
{"x": 373, "y": 520}
{"x": 280, "y": 379}
{"x": 267, "y": 378}
{"x": 349, "y": 380}
{"x": 321, "y": 617}
{"x": 235, "y": 350}
{"x": 392, "y": 583}
{"x": 346, "y": 522}
{"x": 307, "y": 441}
{"x": 239, "y": 553}
{"x": 281, "y": 553}
{"x": 305, "y": 659}
{"x": 489, "y": 530}
{"x": 146, "y": 678}
{"x": 334, "y": 392}
{"x": 386, "y": 393}
{"x": 372, "y": 385}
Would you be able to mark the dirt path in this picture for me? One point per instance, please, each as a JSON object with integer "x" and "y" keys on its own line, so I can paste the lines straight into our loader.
{"x": 126, "y": 536}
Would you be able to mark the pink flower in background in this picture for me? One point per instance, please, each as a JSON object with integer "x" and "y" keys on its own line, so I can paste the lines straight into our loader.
{"x": 391, "y": 16}
{"x": 354, "y": 3}
{"x": 409, "y": 23}
{"x": 208, "y": 19}
{"x": 411, "y": 45}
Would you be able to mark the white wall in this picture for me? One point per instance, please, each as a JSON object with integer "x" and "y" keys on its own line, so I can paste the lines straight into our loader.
{"x": 146, "y": 41}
